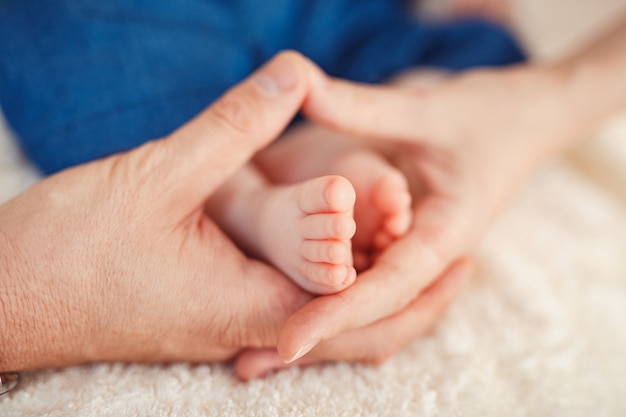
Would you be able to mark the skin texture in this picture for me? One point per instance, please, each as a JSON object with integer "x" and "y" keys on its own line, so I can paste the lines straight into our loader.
{"x": 116, "y": 260}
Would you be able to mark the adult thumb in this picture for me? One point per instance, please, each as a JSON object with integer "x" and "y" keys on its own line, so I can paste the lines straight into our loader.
{"x": 203, "y": 153}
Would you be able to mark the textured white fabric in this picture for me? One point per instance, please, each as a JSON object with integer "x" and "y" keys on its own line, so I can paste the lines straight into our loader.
{"x": 540, "y": 331}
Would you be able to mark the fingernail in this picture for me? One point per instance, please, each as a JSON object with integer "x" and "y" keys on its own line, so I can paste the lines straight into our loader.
{"x": 278, "y": 76}
{"x": 306, "y": 348}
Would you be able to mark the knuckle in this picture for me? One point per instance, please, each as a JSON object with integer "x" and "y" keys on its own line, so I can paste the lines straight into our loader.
{"x": 141, "y": 173}
{"x": 293, "y": 53}
{"x": 397, "y": 276}
{"x": 234, "y": 113}
{"x": 392, "y": 271}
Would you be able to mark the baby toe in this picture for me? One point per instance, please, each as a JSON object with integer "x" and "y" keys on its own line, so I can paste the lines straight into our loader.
{"x": 328, "y": 194}
{"x": 329, "y": 275}
{"x": 338, "y": 226}
{"x": 327, "y": 251}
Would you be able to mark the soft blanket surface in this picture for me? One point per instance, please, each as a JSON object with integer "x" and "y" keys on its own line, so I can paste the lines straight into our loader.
{"x": 540, "y": 331}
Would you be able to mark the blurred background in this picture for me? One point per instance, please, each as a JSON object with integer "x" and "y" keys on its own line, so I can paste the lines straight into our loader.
{"x": 549, "y": 29}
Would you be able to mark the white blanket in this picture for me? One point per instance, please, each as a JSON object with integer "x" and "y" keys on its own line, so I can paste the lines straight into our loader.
{"x": 540, "y": 331}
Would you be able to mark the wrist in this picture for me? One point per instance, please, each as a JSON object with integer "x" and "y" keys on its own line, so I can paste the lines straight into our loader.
{"x": 564, "y": 125}
{"x": 592, "y": 82}
{"x": 28, "y": 324}
{"x": 544, "y": 129}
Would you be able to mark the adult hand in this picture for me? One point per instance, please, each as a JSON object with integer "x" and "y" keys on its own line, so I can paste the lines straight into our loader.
{"x": 116, "y": 260}
{"x": 466, "y": 144}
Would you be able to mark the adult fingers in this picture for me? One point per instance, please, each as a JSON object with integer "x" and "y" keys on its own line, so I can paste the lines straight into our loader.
{"x": 399, "y": 275}
{"x": 374, "y": 343}
{"x": 208, "y": 149}
{"x": 268, "y": 298}
{"x": 391, "y": 334}
{"x": 376, "y": 111}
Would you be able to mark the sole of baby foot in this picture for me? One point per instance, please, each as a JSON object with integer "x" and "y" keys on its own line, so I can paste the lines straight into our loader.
{"x": 307, "y": 229}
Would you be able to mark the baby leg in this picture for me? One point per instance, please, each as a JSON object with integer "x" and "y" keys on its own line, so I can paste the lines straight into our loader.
{"x": 304, "y": 229}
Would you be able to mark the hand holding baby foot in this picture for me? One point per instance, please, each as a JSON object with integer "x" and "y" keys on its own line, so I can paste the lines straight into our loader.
{"x": 467, "y": 153}
{"x": 442, "y": 139}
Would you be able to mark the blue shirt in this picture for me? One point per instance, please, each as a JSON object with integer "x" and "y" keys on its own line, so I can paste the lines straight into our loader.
{"x": 82, "y": 79}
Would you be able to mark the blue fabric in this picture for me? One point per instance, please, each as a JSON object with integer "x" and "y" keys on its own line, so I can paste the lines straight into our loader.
{"x": 82, "y": 79}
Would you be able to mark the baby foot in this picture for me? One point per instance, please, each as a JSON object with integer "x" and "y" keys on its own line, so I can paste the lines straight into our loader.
{"x": 383, "y": 204}
{"x": 305, "y": 230}
{"x": 383, "y": 200}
